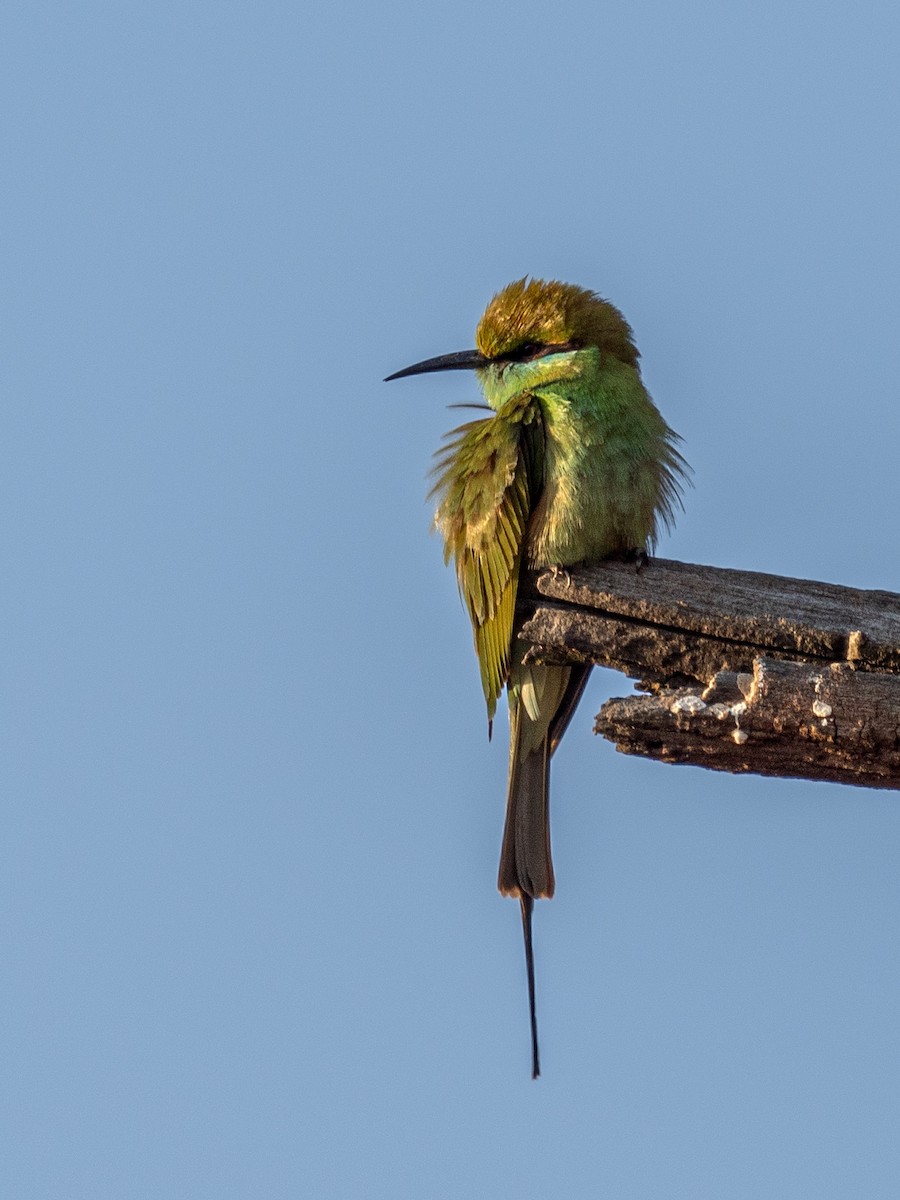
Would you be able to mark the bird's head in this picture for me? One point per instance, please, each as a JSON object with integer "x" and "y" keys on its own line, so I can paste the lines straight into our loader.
{"x": 536, "y": 332}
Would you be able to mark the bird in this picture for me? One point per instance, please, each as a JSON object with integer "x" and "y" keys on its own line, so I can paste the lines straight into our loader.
{"x": 574, "y": 464}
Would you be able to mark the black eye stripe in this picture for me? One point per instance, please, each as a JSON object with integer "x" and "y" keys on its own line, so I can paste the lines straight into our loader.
{"x": 531, "y": 350}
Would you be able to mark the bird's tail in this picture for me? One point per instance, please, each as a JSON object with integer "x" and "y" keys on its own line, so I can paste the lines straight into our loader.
{"x": 542, "y": 701}
{"x": 526, "y": 866}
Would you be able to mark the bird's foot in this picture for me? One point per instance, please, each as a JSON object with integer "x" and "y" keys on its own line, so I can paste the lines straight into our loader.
{"x": 560, "y": 573}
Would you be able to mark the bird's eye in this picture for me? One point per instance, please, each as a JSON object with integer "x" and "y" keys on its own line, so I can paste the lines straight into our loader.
{"x": 529, "y": 350}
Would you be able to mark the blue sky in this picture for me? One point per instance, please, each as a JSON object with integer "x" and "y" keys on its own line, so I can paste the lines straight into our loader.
{"x": 250, "y": 818}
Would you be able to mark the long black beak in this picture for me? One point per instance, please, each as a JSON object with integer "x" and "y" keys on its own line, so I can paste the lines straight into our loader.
{"x": 463, "y": 360}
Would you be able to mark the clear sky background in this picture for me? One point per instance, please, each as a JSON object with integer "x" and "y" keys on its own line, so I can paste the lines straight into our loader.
{"x": 250, "y": 817}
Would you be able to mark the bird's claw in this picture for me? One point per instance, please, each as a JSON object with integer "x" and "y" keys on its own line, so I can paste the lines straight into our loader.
{"x": 557, "y": 572}
{"x": 637, "y": 555}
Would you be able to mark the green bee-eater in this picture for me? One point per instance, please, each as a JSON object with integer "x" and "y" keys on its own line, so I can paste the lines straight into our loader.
{"x": 575, "y": 463}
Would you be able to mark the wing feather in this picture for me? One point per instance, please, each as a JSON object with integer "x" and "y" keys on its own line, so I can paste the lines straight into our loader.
{"x": 487, "y": 483}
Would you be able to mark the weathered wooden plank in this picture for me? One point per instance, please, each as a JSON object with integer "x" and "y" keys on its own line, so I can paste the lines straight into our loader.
{"x": 802, "y": 617}
{"x": 786, "y": 719}
{"x": 743, "y": 666}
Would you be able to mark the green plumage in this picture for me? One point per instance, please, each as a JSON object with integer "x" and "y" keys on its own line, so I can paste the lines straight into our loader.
{"x": 574, "y": 464}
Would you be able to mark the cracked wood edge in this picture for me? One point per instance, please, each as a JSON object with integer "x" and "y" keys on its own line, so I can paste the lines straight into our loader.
{"x": 656, "y": 655}
{"x": 786, "y": 719}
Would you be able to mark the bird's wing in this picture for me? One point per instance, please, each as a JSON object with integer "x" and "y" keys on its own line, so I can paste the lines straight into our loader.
{"x": 488, "y": 480}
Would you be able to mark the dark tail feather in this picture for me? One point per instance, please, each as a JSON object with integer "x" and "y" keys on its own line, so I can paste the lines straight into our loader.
{"x": 526, "y": 865}
{"x": 526, "y": 868}
{"x": 527, "y": 906}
